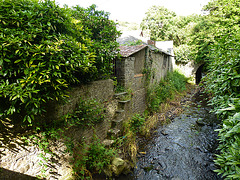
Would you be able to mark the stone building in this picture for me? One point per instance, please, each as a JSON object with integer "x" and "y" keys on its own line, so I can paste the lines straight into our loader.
{"x": 138, "y": 62}
{"x": 21, "y": 161}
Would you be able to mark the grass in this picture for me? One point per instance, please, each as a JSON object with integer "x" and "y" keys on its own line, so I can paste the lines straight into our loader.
{"x": 166, "y": 90}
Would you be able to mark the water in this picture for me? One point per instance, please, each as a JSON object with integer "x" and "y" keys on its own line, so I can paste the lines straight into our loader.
{"x": 181, "y": 150}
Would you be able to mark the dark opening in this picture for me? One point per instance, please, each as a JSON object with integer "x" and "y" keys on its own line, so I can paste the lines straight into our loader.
{"x": 199, "y": 74}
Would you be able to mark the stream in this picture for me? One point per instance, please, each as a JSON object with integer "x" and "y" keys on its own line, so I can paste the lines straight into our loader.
{"x": 183, "y": 149}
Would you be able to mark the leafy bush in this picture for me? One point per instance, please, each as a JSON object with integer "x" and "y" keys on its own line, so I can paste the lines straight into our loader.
{"x": 95, "y": 158}
{"x": 229, "y": 159}
{"x": 99, "y": 156}
{"x": 173, "y": 82}
{"x": 103, "y": 34}
{"x": 223, "y": 82}
{"x": 136, "y": 122}
{"x": 182, "y": 54}
{"x": 88, "y": 113}
{"x": 44, "y": 50}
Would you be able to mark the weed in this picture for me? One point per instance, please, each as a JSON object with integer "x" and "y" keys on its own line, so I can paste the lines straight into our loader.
{"x": 88, "y": 113}
{"x": 129, "y": 143}
{"x": 160, "y": 93}
{"x": 136, "y": 123}
{"x": 119, "y": 89}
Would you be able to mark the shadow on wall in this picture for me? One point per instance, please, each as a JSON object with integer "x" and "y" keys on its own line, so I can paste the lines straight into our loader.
{"x": 6, "y": 174}
{"x": 198, "y": 76}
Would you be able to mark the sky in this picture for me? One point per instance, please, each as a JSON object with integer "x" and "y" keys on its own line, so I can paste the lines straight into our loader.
{"x": 134, "y": 10}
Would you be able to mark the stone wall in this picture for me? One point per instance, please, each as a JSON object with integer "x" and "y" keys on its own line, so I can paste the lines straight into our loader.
{"x": 189, "y": 69}
{"x": 130, "y": 74}
{"x": 160, "y": 66}
{"x": 16, "y": 156}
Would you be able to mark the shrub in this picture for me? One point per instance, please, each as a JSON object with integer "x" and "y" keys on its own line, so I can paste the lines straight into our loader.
{"x": 136, "y": 123}
{"x": 103, "y": 34}
{"x": 223, "y": 84}
{"x": 44, "y": 50}
{"x": 87, "y": 114}
{"x": 95, "y": 158}
{"x": 173, "y": 82}
{"x": 182, "y": 53}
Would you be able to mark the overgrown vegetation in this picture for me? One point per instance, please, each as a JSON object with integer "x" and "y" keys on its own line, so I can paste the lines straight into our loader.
{"x": 162, "y": 24}
{"x": 223, "y": 81}
{"x": 136, "y": 123}
{"x": 45, "y": 49}
{"x": 87, "y": 158}
{"x": 174, "y": 82}
{"x": 95, "y": 159}
{"x": 212, "y": 39}
{"x": 87, "y": 114}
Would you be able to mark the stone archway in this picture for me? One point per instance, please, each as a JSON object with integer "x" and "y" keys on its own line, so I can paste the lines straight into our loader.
{"x": 198, "y": 74}
{"x": 191, "y": 70}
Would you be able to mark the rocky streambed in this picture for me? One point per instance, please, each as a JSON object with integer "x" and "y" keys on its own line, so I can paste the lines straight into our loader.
{"x": 183, "y": 149}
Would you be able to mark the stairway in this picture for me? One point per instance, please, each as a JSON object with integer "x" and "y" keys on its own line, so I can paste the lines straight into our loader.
{"x": 116, "y": 123}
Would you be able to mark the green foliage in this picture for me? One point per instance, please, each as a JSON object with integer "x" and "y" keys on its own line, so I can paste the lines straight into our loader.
{"x": 90, "y": 158}
{"x": 87, "y": 114}
{"x": 202, "y": 36}
{"x": 182, "y": 53}
{"x": 45, "y": 49}
{"x": 173, "y": 82}
{"x": 95, "y": 158}
{"x": 224, "y": 12}
{"x": 99, "y": 156}
{"x": 164, "y": 25}
{"x": 229, "y": 159}
{"x": 158, "y": 21}
{"x": 103, "y": 33}
{"x": 222, "y": 82}
{"x": 133, "y": 43}
{"x": 136, "y": 122}
{"x": 120, "y": 88}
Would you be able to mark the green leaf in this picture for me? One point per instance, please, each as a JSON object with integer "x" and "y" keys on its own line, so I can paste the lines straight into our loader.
{"x": 17, "y": 61}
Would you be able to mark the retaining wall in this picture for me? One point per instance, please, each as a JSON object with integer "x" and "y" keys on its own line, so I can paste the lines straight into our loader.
{"x": 18, "y": 159}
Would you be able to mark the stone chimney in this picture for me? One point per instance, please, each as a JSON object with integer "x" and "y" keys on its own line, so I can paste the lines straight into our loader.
{"x": 151, "y": 42}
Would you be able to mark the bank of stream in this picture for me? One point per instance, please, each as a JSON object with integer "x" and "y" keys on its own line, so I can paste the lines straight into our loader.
{"x": 183, "y": 149}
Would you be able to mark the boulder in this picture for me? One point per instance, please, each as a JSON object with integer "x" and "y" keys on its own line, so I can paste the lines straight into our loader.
{"x": 118, "y": 166}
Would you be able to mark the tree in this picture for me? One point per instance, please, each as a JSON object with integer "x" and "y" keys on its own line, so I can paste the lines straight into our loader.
{"x": 44, "y": 50}
{"x": 103, "y": 34}
{"x": 158, "y": 22}
{"x": 163, "y": 24}
{"x": 224, "y": 12}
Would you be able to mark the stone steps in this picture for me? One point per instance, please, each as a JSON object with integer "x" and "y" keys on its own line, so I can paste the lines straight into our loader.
{"x": 116, "y": 124}
{"x": 120, "y": 94}
{"x": 107, "y": 142}
{"x": 126, "y": 101}
{"x": 120, "y": 111}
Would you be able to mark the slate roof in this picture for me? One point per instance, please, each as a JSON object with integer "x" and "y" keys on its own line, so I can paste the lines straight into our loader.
{"x": 127, "y": 51}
